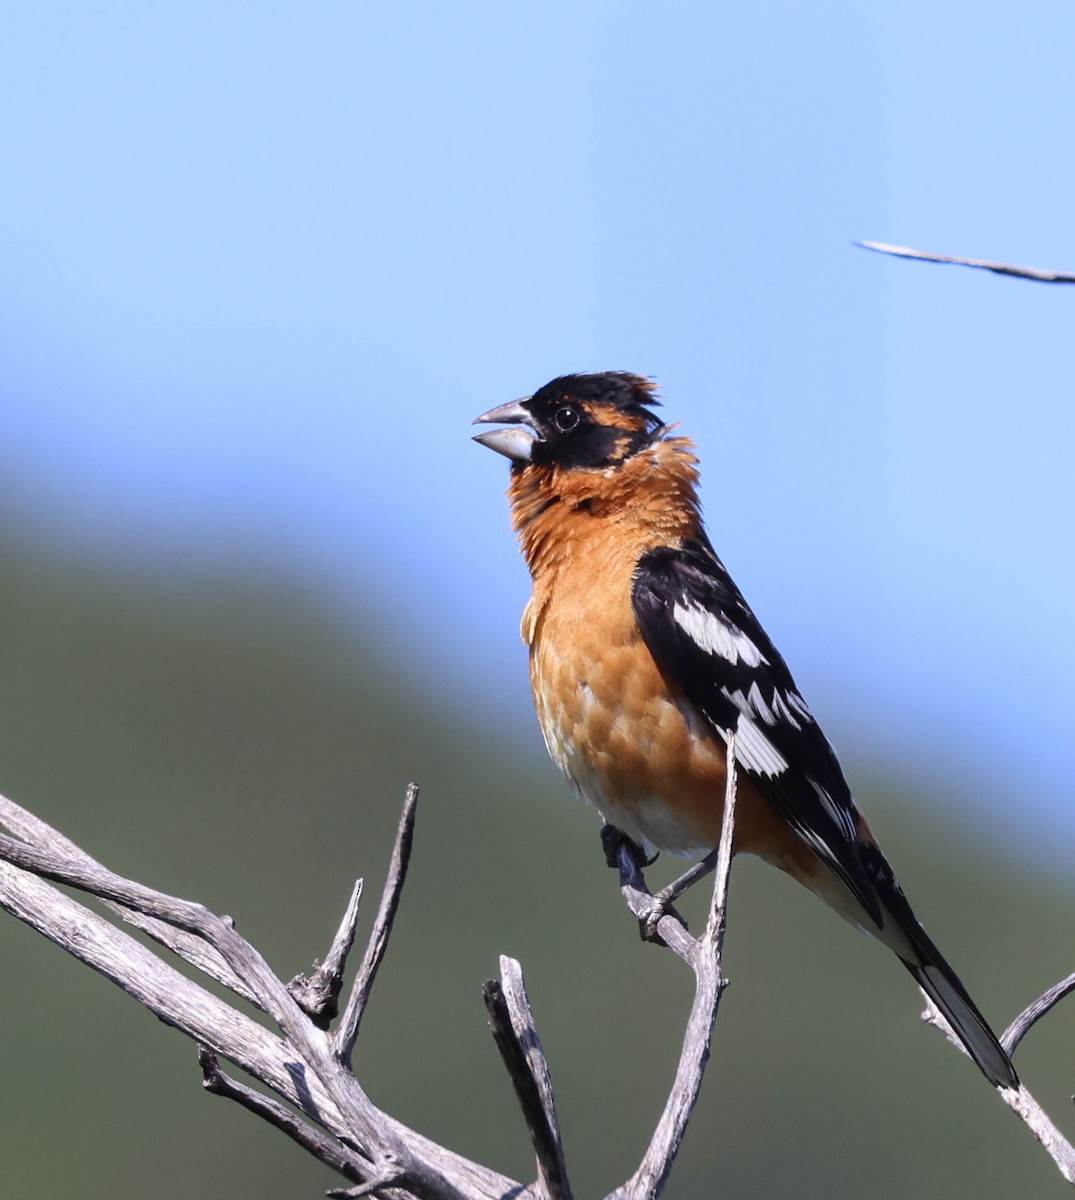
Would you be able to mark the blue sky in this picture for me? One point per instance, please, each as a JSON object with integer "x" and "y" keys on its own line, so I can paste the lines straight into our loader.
{"x": 260, "y": 265}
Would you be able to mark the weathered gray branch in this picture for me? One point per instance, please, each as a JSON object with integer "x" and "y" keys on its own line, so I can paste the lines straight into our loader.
{"x": 308, "y": 1067}
{"x": 1038, "y": 274}
{"x": 511, "y": 1021}
{"x": 301, "y": 1066}
{"x": 318, "y": 993}
{"x": 1020, "y": 1101}
{"x": 382, "y": 927}
{"x": 1034, "y": 1012}
{"x": 703, "y": 956}
{"x": 35, "y": 832}
{"x": 319, "y": 1144}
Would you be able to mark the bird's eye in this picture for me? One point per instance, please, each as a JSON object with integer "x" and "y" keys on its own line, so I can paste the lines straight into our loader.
{"x": 566, "y": 419}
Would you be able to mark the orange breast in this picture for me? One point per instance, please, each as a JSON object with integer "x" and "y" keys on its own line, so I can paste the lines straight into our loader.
{"x": 630, "y": 745}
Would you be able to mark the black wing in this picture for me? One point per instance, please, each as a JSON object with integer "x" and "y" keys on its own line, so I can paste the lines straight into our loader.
{"x": 709, "y": 645}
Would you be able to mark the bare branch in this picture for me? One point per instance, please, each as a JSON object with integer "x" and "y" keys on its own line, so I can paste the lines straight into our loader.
{"x": 302, "y": 1064}
{"x": 172, "y": 997}
{"x": 522, "y": 1022}
{"x": 1033, "y": 1013}
{"x": 243, "y": 959}
{"x": 515, "y": 1033}
{"x": 670, "y": 894}
{"x": 347, "y": 1034}
{"x": 1038, "y": 274}
{"x": 1052, "y": 1141}
{"x": 320, "y": 1145}
{"x": 35, "y": 832}
{"x": 381, "y": 1185}
{"x": 705, "y": 961}
{"x": 1020, "y": 1101}
{"x": 301, "y": 1067}
{"x": 318, "y": 993}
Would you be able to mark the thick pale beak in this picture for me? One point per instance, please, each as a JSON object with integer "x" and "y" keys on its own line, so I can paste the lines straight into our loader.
{"x": 515, "y": 444}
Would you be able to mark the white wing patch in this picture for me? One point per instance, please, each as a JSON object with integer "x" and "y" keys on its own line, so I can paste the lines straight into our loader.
{"x": 784, "y": 706}
{"x": 715, "y": 636}
{"x": 754, "y": 750}
{"x": 843, "y": 817}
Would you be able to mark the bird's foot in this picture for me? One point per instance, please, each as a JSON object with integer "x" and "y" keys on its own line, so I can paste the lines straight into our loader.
{"x": 663, "y": 902}
{"x": 616, "y": 845}
{"x": 660, "y": 906}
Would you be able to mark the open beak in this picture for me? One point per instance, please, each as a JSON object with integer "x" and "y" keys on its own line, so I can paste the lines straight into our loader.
{"x": 515, "y": 444}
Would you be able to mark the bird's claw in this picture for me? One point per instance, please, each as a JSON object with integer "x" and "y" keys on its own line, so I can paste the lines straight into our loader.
{"x": 660, "y": 906}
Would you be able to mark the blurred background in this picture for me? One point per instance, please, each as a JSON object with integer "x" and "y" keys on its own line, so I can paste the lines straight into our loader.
{"x": 260, "y": 265}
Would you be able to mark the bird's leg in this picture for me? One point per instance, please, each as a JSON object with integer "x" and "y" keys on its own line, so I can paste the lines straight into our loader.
{"x": 611, "y": 841}
{"x": 672, "y": 892}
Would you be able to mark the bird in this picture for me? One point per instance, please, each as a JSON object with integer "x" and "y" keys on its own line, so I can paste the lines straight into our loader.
{"x": 645, "y": 660}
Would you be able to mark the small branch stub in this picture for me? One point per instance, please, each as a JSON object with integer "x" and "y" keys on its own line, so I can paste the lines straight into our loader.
{"x": 318, "y": 993}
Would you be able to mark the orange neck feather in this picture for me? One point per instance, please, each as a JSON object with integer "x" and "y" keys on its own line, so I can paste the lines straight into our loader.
{"x": 650, "y": 500}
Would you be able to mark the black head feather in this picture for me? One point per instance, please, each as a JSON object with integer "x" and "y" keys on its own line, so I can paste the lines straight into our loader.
{"x": 591, "y": 421}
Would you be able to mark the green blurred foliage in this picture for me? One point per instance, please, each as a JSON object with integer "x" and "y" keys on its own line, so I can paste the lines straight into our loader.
{"x": 227, "y": 738}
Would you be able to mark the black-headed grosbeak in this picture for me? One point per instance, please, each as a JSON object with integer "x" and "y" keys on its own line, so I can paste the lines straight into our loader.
{"x": 644, "y": 658}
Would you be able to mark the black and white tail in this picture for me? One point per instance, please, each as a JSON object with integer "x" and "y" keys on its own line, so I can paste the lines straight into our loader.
{"x": 942, "y": 985}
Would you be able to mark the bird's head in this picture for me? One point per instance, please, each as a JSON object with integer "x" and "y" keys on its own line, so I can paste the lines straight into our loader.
{"x": 577, "y": 421}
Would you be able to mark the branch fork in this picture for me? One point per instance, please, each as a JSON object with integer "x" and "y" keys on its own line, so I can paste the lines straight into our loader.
{"x": 305, "y": 1063}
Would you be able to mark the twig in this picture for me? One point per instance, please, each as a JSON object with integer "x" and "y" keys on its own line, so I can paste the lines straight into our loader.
{"x": 318, "y": 993}
{"x": 671, "y": 892}
{"x": 515, "y": 1033}
{"x": 1021, "y": 1102}
{"x": 320, "y": 1145}
{"x": 705, "y": 961}
{"x": 347, "y": 1034}
{"x": 1039, "y": 274}
{"x": 1033, "y": 1013}
{"x": 380, "y": 1185}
